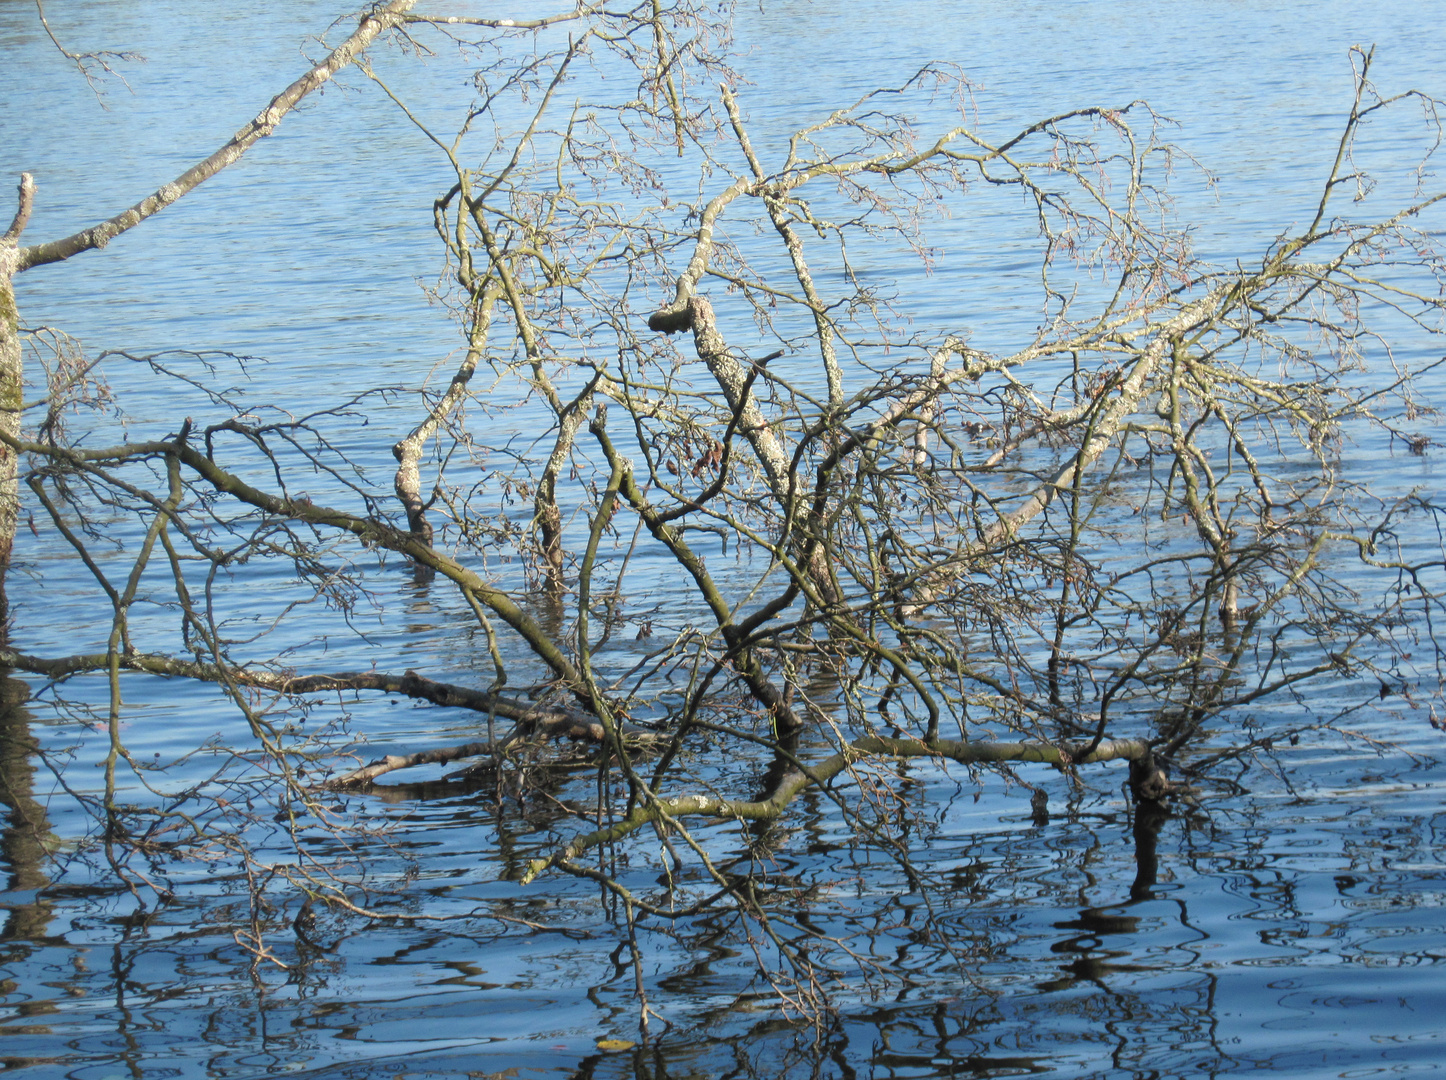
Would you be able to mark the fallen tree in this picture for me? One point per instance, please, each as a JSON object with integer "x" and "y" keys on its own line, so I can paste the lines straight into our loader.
{"x": 1109, "y": 543}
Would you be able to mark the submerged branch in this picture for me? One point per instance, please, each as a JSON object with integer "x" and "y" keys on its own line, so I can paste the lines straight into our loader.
{"x": 530, "y": 721}
{"x": 794, "y": 781}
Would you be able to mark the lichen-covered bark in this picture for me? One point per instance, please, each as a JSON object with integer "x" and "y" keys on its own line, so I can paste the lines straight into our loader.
{"x": 11, "y": 381}
{"x": 408, "y": 451}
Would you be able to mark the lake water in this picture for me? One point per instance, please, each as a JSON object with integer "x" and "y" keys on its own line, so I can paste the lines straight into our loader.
{"x": 1297, "y": 918}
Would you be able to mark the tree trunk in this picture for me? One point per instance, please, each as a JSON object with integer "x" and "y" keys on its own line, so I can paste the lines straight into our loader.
{"x": 12, "y": 387}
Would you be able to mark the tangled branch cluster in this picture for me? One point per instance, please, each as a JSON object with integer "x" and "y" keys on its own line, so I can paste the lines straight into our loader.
{"x": 726, "y": 574}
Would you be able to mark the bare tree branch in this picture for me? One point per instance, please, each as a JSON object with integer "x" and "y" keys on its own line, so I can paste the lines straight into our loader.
{"x": 372, "y": 24}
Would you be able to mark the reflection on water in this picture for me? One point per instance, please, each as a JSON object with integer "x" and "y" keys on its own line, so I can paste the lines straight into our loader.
{"x": 1295, "y": 935}
{"x": 26, "y": 839}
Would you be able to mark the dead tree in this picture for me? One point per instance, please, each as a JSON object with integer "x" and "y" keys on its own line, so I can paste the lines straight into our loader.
{"x": 796, "y": 539}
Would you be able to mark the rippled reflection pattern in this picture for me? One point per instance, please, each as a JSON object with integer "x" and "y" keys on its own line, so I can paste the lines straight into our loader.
{"x": 1301, "y": 937}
